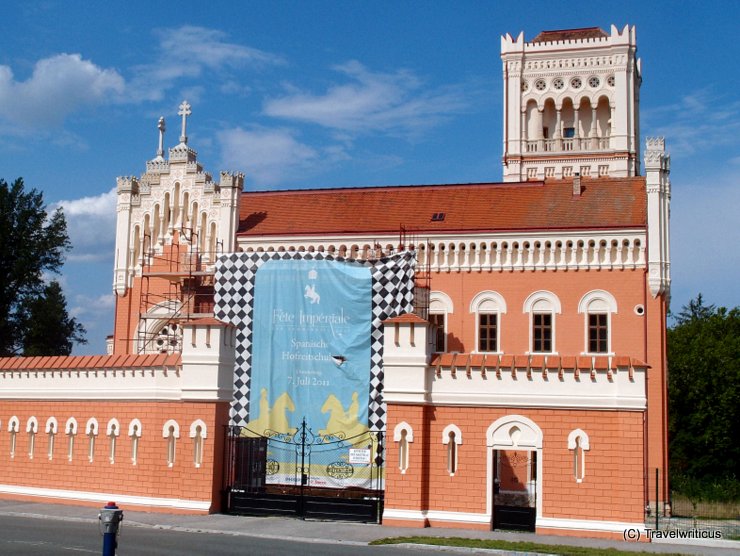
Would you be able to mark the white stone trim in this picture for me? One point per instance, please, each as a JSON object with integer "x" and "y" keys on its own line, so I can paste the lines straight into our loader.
{"x": 32, "y": 425}
{"x": 488, "y": 295}
{"x": 70, "y": 427}
{"x": 578, "y": 433}
{"x": 545, "y": 297}
{"x": 166, "y": 429}
{"x": 110, "y": 430}
{"x": 609, "y": 302}
{"x": 125, "y": 499}
{"x": 92, "y": 424}
{"x": 403, "y": 425}
{"x": 446, "y": 434}
{"x": 422, "y": 515}
{"x": 14, "y": 424}
{"x": 203, "y": 428}
{"x": 443, "y": 299}
{"x": 52, "y": 425}
{"x": 135, "y": 432}
{"x": 588, "y": 525}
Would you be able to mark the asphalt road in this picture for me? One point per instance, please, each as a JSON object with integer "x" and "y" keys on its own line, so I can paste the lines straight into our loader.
{"x": 25, "y": 536}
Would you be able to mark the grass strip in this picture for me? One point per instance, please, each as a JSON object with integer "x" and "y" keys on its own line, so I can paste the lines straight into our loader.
{"x": 518, "y": 546}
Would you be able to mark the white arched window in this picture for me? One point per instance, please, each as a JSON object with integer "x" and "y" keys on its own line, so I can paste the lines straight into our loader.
{"x": 171, "y": 432}
{"x": 488, "y": 306}
{"x": 70, "y": 429}
{"x": 598, "y": 306}
{"x": 52, "y": 427}
{"x": 112, "y": 431}
{"x": 452, "y": 438}
{"x": 32, "y": 427}
{"x": 542, "y": 307}
{"x": 134, "y": 432}
{"x": 404, "y": 435}
{"x": 13, "y": 428}
{"x": 198, "y": 432}
{"x": 440, "y": 305}
{"x": 91, "y": 429}
{"x": 578, "y": 442}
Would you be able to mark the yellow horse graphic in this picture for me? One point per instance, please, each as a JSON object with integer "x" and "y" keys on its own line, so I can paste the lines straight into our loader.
{"x": 271, "y": 418}
{"x": 342, "y": 422}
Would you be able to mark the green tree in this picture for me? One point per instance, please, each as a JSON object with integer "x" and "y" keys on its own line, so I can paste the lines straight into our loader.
{"x": 703, "y": 394}
{"x": 51, "y": 331}
{"x": 32, "y": 243}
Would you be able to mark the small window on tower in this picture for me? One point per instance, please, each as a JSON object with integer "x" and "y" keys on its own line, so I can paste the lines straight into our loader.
{"x": 569, "y": 132}
{"x": 438, "y": 217}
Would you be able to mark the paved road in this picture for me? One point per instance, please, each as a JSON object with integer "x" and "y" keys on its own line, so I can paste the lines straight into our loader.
{"x": 24, "y": 536}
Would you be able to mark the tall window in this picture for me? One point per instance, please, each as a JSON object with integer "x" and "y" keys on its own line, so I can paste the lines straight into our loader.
{"x": 198, "y": 433}
{"x": 32, "y": 427}
{"x": 598, "y": 333}
{"x": 437, "y": 320}
{"x": 440, "y": 306}
{"x": 598, "y": 306}
{"x": 134, "y": 432}
{"x": 487, "y": 332}
{"x": 578, "y": 442}
{"x": 51, "y": 430}
{"x": 452, "y": 437}
{"x": 542, "y": 332}
{"x": 171, "y": 432}
{"x": 542, "y": 307}
{"x": 488, "y": 307}
{"x": 13, "y": 428}
{"x": 403, "y": 434}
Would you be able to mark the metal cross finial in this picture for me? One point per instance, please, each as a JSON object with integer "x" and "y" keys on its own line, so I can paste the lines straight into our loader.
{"x": 161, "y": 128}
{"x": 184, "y": 112}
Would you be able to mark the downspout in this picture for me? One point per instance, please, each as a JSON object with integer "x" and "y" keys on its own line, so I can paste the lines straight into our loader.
{"x": 645, "y": 430}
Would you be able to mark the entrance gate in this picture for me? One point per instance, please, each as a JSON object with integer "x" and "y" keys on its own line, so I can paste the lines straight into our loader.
{"x": 304, "y": 474}
{"x": 515, "y": 490}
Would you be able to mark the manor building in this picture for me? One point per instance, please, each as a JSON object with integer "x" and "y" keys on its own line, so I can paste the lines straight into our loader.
{"x": 526, "y": 388}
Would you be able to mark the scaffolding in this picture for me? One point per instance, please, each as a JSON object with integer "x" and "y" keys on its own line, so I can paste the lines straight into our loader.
{"x": 409, "y": 240}
{"x": 176, "y": 286}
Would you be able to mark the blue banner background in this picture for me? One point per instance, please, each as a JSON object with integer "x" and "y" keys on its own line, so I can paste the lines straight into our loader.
{"x": 311, "y": 347}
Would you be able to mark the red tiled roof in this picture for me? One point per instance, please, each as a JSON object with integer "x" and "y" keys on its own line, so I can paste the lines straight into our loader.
{"x": 406, "y": 317}
{"x": 605, "y": 203}
{"x": 88, "y": 362}
{"x": 571, "y": 34}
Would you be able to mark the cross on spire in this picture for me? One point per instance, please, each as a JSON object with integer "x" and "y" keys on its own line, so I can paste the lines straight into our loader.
{"x": 184, "y": 112}
{"x": 161, "y": 128}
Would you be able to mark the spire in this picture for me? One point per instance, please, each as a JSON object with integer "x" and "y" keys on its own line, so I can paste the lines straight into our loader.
{"x": 161, "y": 128}
{"x": 184, "y": 112}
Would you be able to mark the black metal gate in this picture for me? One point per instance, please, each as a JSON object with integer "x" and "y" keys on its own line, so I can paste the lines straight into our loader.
{"x": 515, "y": 510}
{"x": 304, "y": 474}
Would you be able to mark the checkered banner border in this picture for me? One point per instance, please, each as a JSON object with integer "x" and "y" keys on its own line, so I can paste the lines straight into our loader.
{"x": 392, "y": 295}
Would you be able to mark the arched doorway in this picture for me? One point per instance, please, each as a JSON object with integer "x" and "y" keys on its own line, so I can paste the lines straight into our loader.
{"x": 514, "y": 498}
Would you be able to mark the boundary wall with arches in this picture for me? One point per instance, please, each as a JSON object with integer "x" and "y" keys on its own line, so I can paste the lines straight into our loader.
{"x": 143, "y": 430}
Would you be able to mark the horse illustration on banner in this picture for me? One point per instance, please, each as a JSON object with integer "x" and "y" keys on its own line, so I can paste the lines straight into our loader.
{"x": 271, "y": 419}
{"x": 310, "y": 293}
{"x": 344, "y": 424}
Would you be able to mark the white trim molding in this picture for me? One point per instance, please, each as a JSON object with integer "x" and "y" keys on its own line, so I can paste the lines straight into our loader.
{"x": 587, "y": 525}
{"x": 437, "y": 515}
{"x": 403, "y": 425}
{"x": 171, "y": 503}
{"x": 446, "y": 434}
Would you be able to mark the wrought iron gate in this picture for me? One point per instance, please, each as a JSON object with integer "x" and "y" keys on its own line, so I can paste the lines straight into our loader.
{"x": 304, "y": 474}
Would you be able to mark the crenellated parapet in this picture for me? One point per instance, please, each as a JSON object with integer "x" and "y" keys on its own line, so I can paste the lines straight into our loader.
{"x": 174, "y": 202}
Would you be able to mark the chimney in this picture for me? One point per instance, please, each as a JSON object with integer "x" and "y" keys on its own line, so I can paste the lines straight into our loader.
{"x": 577, "y": 184}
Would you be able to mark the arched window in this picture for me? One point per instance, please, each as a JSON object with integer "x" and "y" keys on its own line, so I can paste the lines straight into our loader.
{"x": 404, "y": 435}
{"x": 112, "y": 431}
{"x": 171, "y": 432}
{"x": 52, "y": 427}
{"x": 598, "y": 306}
{"x": 32, "y": 427}
{"x": 198, "y": 432}
{"x": 578, "y": 442}
{"x": 13, "y": 428}
{"x": 440, "y": 305}
{"x": 71, "y": 431}
{"x": 134, "y": 432}
{"x": 542, "y": 307}
{"x": 452, "y": 438}
{"x": 92, "y": 432}
{"x": 488, "y": 306}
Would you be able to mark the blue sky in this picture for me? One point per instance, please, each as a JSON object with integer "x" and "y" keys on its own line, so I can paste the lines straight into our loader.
{"x": 321, "y": 94}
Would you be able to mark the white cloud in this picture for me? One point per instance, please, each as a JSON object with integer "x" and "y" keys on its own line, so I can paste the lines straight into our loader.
{"x": 186, "y": 52}
{"x": 699, "y": 121}
{"x": 371, "y": 101}
{"x": 268, "y": 156}
{"x": 59, "y": 85}
{"x": 93, "y": 307}
{"x": 91, "y": 224}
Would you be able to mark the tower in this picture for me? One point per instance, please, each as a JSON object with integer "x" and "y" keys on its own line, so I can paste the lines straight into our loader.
{"x": 172, "y": 222}
{"x": 571, "y": 104}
